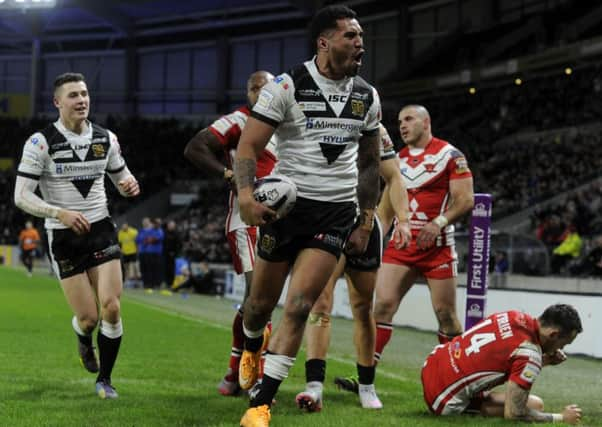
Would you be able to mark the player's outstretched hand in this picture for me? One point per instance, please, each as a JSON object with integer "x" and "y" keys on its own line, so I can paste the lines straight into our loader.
{"x": 571, "y": 414}
{"x": 129, "y": 186}
{"x": 76, "y": 221}
{"x": 401, "y": 235}
{"x": 554, "y": 359}
{"x": 357, "y": 241}
{"x": 254, "y": 213}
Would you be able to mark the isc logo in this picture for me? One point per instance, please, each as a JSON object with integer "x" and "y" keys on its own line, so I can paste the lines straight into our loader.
{"x": 337, "y": 98}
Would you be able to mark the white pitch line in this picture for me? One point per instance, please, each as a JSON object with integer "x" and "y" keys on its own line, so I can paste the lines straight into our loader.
{"x": 220, "y": 326}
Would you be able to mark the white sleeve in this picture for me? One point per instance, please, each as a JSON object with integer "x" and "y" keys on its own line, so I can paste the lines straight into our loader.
{"x": 387, "y": 149}
{"x": 274, "y": 100}
{"x": 115, "y": 163}
{"x": 26, "y": 199}
{"x": 116, "y": 167}
{"x": 34, "y": 158}
{"x": 374, "y": 115}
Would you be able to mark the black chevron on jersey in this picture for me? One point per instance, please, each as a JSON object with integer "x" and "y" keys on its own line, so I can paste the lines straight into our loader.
{"x": 83, "y": 186}
{"x": 306, "y": 90}
{"x": 332, "y": 151}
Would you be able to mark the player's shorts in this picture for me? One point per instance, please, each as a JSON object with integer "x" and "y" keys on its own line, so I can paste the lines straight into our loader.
{"x": 242, "y": 248}
{"x": 369, "y": 260}
{"x": 311, "y": 224}
{"x": 447, "y": 400}
{"x": 73, "y": 254}
{"x": 127, "y": 259}
{"x": 438, "y": 262}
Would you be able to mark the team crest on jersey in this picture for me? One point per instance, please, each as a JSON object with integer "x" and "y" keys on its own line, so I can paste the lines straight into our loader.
{"x": 429, "y": 167}
{"x": 357, "y": 107}
{"x": 98, "y": 150}
{"x": 268, "y": 243}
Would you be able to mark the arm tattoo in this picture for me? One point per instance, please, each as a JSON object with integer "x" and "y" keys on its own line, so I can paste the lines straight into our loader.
{"x": 368, "y": 164}
{"x": 521, "y": 412}
{"x": 244, "y": 172}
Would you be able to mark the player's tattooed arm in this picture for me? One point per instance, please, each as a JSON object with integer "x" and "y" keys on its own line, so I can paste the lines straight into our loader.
{"x": 516, "y": 407}
{"x": 367, "y": 193}
{"x": 244, "y": 173}
{"x": 368, "y": 185}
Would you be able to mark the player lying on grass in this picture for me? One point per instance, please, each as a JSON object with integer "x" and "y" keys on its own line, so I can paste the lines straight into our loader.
{"x": 508, "y": 347}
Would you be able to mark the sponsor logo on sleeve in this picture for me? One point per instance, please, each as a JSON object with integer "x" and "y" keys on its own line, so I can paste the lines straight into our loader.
{"x": 264, "y": 101}
{"x": 529, "y": 373}
{"x": 461, "y": 165}
{"x": 221, "y": 126}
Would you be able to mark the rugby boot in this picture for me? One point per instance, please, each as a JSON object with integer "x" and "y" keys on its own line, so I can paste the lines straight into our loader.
{"x": 350, "y": 384}
{"x": 105, "y": 390}
{"x": 87, "y": 357}
{"x": 256, "y": 417}
{"x": 309, "y": 400}
{"x": 368, "y": 397}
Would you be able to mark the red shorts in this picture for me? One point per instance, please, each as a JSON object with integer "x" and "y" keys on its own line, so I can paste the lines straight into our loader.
{"x": 438, "y": 262}
{"x": 242, "y": 248}
{"x": 441, "y": 398}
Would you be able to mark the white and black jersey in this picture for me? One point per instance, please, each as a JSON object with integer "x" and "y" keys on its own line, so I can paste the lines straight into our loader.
{"x": 318, "y": 125}
{"x": 70, "y": 168}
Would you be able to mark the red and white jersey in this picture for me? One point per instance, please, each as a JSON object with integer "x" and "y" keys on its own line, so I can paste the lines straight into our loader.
{"x": 427, "y": 173}
{"x": 504, "y": 346}
{"x": 227, "y": 129}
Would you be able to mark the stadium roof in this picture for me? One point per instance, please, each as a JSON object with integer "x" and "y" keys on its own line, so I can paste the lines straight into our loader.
{"x": 85, "y": 20}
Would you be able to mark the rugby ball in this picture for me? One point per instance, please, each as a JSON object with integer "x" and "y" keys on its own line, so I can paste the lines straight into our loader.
{"x": 277, "y": 192}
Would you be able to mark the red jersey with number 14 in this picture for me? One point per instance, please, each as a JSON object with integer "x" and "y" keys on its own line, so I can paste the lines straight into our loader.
{"x": 503, "y": 347}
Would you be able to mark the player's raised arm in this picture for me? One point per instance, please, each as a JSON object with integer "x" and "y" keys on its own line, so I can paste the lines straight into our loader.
{"x": 253, "y": 140}
{"x": 516, "y": 408}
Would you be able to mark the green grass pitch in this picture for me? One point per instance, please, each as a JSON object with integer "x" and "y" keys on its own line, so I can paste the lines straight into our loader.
{"x": 175, "y": 351}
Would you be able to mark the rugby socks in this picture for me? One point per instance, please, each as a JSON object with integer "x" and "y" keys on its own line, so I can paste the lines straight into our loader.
{"x": 253, "y": 339}
{"x": 445, "y": 338}
{"x": 109, "y": 340}
{"x": 264, "y": 347}
{"x": 315, "y": 370}
{"x": 276, "y": 370}
{"x": 238, "y": 341}
{"x": 365, "y": 374}
{"x": 85, "y": 339}
{"x": 383, "y": 335}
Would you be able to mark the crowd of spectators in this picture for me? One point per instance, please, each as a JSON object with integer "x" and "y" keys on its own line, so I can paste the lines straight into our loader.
{"x": 488, "y": 126}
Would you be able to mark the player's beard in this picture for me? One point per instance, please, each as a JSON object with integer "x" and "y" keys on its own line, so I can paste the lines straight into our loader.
{"x": 344, "y": 62}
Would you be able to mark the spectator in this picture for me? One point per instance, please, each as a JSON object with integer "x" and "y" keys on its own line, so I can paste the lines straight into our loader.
{"x": 129, "y": 250}
{"x": 171, "y": 248}
{"x": 569, "y": 249}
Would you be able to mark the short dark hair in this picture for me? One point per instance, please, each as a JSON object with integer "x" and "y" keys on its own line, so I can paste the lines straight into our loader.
{"x": 562, "y": 316}
{"x": 326, "y": 19}
{"x": 68, "y": 78}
